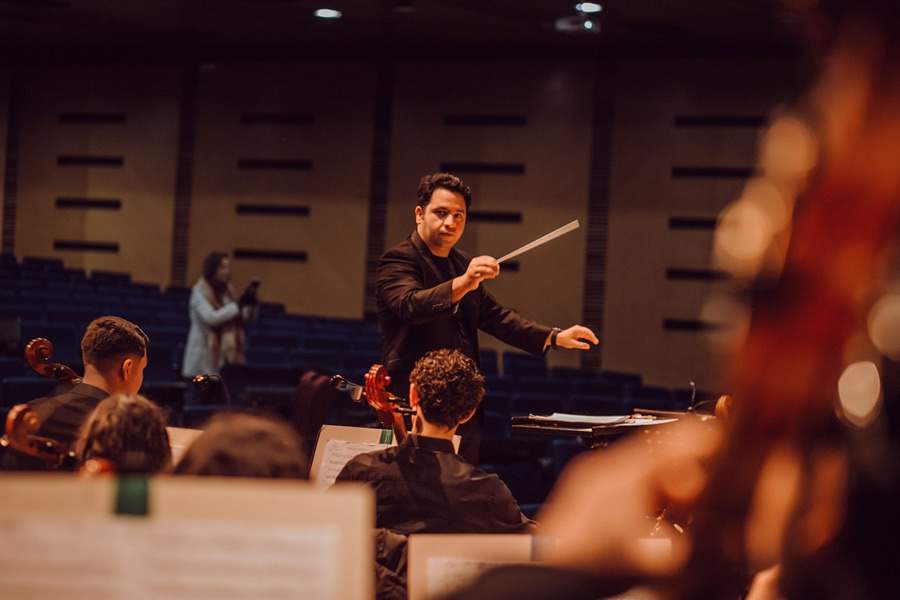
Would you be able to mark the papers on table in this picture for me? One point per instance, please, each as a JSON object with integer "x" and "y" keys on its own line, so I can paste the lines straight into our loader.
{"x": 635, "y": 420}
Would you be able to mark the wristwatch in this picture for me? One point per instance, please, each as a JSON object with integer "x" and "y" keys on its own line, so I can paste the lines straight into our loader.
{"x": 553, "y": 333}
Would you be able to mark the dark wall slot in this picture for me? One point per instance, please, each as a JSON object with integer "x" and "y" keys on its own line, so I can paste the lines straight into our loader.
{"x": 72, "y": 160}
{"x": 275, "y": 164}
{"x": 484, "y": 168}
{"x": 712, "y": 172}
{"x": 273, "y": 210}
{"x": 276, "y": 255}
{"x": 278, "y": 119}
{"x": 494, "y": 216}
{"x": 749, "y": 121}
{"x": 692, "y": 223}
{"x": 85, "y": 118}
{"x": 85, "y": 246}
{"x": 690, "y": 325}
{"x": 696, "y": 274}
{"x": 89, "y": 203}
{"x": 485, "y": 120}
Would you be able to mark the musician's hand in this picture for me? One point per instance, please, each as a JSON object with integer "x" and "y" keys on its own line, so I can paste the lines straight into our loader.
{"x": 629, "y": 482}
{"x": 480, "y": 269}
{"x": 573, "y": 336}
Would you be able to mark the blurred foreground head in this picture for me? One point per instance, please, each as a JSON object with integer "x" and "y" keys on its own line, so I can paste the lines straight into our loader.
{"x": 245, "y": 446}
{"x": 129, "y": 432}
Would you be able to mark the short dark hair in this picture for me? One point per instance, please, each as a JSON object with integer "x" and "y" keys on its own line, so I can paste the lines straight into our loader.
{"x": 447, "y": 181}
{"x": 449, "y": 386}
{"x": 128, "y": 431}
{"x": 109, "y": 340}
{"x": 239, "y": 445}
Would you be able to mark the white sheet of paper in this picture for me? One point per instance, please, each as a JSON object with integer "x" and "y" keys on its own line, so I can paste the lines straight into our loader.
{"x": 446, "y": 575}
{"x": 337, "y": 454}
{"x": 589, "y": 419}
{"x": 128, "y": 558}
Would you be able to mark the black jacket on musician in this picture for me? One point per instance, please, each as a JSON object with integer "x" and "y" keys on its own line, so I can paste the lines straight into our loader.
{"x": 413, "y": 291}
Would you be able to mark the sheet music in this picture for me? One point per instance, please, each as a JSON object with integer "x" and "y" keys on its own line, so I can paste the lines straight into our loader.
{"x": 447, "y": 575}
{"x": 337, "y": 454}
{"x": 588, "y": 419}
{"x": 121, "y": 558}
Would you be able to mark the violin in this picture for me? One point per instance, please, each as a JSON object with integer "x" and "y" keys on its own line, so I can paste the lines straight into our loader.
{"x": 22, "y": 424}
{"x": 389, "y": 408}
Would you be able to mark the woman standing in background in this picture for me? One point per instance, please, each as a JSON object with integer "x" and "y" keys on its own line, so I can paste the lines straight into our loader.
{"x": 217, "y": 335}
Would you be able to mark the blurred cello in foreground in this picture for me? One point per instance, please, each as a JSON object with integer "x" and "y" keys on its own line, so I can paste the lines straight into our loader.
{"x": 22, "y": 424}
{"x": 813, "y": 286}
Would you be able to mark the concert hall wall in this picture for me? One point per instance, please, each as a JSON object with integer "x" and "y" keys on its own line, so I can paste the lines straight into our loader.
{"x": 281, "y": 165}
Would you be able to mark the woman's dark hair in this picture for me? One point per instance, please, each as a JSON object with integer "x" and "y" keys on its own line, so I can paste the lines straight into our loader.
{"x": 447, "y": 181}
{"x": 245, "y": 446}
{"x": 128, "y": 431}
{"x": 449, "y": 386}
{"x": 210, "y": 267}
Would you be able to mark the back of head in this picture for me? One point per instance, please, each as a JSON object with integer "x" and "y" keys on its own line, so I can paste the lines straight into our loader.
{"x": 245, "y": 446}
{"x": 448, "y": 385}
{"x": 447, "y": 181}
{"x": 109, "y": 340}
{"x": 129, "y": 432}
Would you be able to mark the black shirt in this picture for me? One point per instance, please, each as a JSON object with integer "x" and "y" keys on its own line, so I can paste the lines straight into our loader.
{"x": 422, "y": 486}
{"x": 61, "y": 416}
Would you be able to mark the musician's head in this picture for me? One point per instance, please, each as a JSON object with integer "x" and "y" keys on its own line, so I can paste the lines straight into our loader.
{"x": 129, "y": 432}
{"x": 237, "y": 445}
{"x": 445, "y": 388}
{"x": 217, "y": 270}
{"x": 114, "y": 352}
{"x": 442, "y": 203}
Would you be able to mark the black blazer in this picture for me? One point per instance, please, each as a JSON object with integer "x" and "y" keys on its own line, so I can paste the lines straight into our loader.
{"x": 416, "y": 316}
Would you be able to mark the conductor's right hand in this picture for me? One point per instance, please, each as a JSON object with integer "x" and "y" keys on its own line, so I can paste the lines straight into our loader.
{"x": 481, "y": 268}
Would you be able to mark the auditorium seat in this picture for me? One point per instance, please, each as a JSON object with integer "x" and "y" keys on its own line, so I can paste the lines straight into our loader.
{"x": 488, "y": 359}
{"x": 170, "y": 395}
{"x": 598, "y": 404}
{"x": 66, "y": 343}
{"x": 16, "y": 390}
{"x": 524, "y": 403}
{"x": 516, "y": 364}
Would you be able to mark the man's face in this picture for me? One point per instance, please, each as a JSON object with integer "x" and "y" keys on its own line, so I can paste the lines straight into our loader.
{"x": 442, "y": 222}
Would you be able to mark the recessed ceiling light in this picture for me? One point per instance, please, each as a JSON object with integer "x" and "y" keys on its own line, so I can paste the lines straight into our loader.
{"x": 328, "y": 13}
{"x": 588, "y": 24}
{"x": 588, "y": 7}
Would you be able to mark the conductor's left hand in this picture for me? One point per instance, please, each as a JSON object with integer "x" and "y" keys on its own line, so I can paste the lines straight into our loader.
{"x": 576, "y": 337}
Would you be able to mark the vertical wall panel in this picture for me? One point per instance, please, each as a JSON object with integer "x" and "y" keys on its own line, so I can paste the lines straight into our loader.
{"x": 316, "y": 121}
{"x": 4, "y": 107}
{"x": 553, "y": 146}
{"x": 145, "y": 141}
{"x": 646, "y": 146}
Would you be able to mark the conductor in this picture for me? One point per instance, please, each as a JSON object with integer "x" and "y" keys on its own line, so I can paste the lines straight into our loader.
{"x": 429, "y": 296}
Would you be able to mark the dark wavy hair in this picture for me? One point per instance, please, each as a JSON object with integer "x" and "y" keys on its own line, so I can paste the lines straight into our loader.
{"x": 210, "y": 266}
{"x": 108, "y": 341}
{"x": 449, "y": 386}
{"x": 447, "y": 181}
{"x": 236, "y": 445}
{"x": 128, "y": 431}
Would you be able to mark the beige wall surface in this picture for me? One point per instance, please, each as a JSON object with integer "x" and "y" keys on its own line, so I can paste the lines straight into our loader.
{"x": 145, "y": 184}
{"x": 339, "y": 142}
{"x": 645, "y": 147}
{"x": 554, "y": 146}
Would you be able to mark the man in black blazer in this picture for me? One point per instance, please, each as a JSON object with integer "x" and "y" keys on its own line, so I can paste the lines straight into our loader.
{"x": 429, "y": 296}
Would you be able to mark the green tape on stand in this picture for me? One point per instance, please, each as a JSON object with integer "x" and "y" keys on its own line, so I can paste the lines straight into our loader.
{"x": 387, "y": 436}
{"x": 133, "y": 495}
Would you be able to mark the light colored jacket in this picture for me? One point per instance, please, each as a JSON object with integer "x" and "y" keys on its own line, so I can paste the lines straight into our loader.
{"x": 204, "y": 352}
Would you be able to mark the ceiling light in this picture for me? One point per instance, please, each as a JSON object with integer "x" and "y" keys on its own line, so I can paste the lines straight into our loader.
{"x": 588, "y": 24}
{"x": 328, "y": 13}
{"x": 588, "y": 7}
